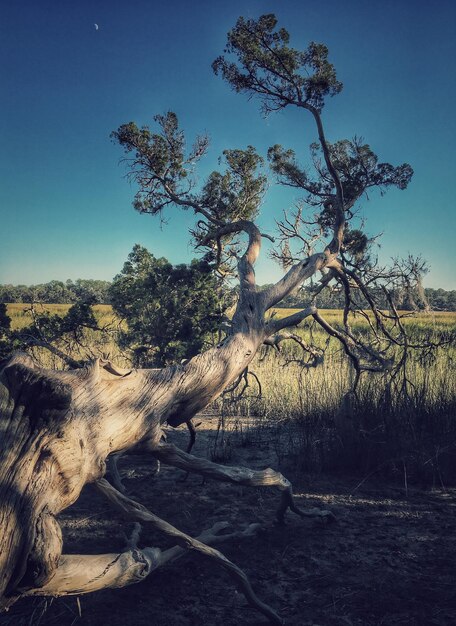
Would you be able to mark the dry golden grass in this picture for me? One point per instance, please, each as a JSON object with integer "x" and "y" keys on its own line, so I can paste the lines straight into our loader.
{"x": 21, "y": 315}
{"x": 416, "y": 425}
{"x": 441, "y": 318}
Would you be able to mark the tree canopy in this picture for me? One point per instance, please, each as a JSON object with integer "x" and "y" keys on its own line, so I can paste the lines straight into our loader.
{"x": 171, "y": 311}
{"x": 259, "y": 62}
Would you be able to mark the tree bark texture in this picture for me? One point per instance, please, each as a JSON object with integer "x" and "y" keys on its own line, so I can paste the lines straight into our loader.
{"x": 59, "y": 427}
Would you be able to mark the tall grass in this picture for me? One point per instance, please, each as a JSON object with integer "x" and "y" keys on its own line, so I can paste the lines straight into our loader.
{"x": 308, "y": 419}
{"x": 314, "y": 424}
{"x": 87, "y": 344}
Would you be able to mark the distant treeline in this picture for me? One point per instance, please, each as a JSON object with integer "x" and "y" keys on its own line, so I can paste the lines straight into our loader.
{"x": 97, "y": 292}
{"x": 437, "y": 299}
{"x": 57, "y": 292}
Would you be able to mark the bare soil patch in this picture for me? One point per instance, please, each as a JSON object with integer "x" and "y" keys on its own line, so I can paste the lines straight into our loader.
{"x": 390, "y": 558}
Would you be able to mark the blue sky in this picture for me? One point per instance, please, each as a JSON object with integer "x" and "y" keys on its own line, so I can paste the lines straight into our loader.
{"x": 65, "y": 204}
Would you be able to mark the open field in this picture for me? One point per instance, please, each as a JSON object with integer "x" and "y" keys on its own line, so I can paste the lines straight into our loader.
{"x": 21, "y": 316}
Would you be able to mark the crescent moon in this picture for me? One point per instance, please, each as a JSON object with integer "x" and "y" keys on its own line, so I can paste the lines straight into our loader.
{"x": 96, "y": 26}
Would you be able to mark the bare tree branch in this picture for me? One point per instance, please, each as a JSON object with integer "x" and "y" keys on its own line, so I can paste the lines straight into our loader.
{"x": 294, "y": 277}
{"x": 134, "y": 510}
{"x": 275, "y": 325}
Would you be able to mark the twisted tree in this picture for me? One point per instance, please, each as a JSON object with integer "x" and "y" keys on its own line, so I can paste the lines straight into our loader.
{"x": 58, "y": 428}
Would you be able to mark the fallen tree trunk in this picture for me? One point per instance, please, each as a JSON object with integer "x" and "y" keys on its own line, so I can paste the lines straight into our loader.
{"x": 59, "y": 427}
{"x": 57, "y": 430}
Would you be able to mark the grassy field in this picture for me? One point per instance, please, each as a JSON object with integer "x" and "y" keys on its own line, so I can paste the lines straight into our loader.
{"x": 21, "y": 315}
{"x": 88, "y": 345}
{"x": 433, "y": 320}
{"x": 306, "y": 414}
{"x": 440, "y": 320}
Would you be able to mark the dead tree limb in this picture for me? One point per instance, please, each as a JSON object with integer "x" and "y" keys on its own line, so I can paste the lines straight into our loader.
{"x": 172, "y": 455}
{"x": 78, "y": 573}
{"x": 134, "y": 510}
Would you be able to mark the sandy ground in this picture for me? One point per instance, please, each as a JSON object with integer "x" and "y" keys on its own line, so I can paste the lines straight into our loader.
{"x": 389, "y": 559}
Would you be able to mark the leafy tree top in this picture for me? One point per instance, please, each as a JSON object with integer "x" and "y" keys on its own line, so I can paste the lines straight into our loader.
{"x": 259, "y": 62}
{"x": 163, "y": 171}
{"x": 268, "y": 67}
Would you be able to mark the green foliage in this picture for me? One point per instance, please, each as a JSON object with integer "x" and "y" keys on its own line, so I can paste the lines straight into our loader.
{"x": 266, "y": 66}
{"x": 89, "y": 290}
{"x": 358, "y": 169}
{"x": 237, "y": 193}
{"x": 170, "y": 310}
{"x": 259, "y": 62}
{"x": 284, "y": 164}
{"x": 158, "y": 163}
{"x": 355, "y": 242}
{"x": 441, "y": 300}
{"x": 163, "y": 172}
{"x": 356, "y": 165}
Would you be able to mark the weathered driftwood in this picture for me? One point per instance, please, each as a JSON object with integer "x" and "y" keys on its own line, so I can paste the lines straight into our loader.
{"x": 78, "y": 574}
{"x": 59, "y": 427}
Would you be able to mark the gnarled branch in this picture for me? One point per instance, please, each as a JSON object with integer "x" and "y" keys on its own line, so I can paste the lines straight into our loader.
{"x": 134, "y": 510}
{"x": 292, "y": 279}
{"x": 275, "y": 325}
{"x": 81, "y": 573}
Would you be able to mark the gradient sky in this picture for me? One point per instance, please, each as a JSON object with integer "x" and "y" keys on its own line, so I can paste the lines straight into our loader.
{"x": 65, "y": 204}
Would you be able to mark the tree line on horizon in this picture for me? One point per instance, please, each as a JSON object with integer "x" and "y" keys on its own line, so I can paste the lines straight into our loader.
{"x": 58, "y": 292}
{"x": 95, "y": 291}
